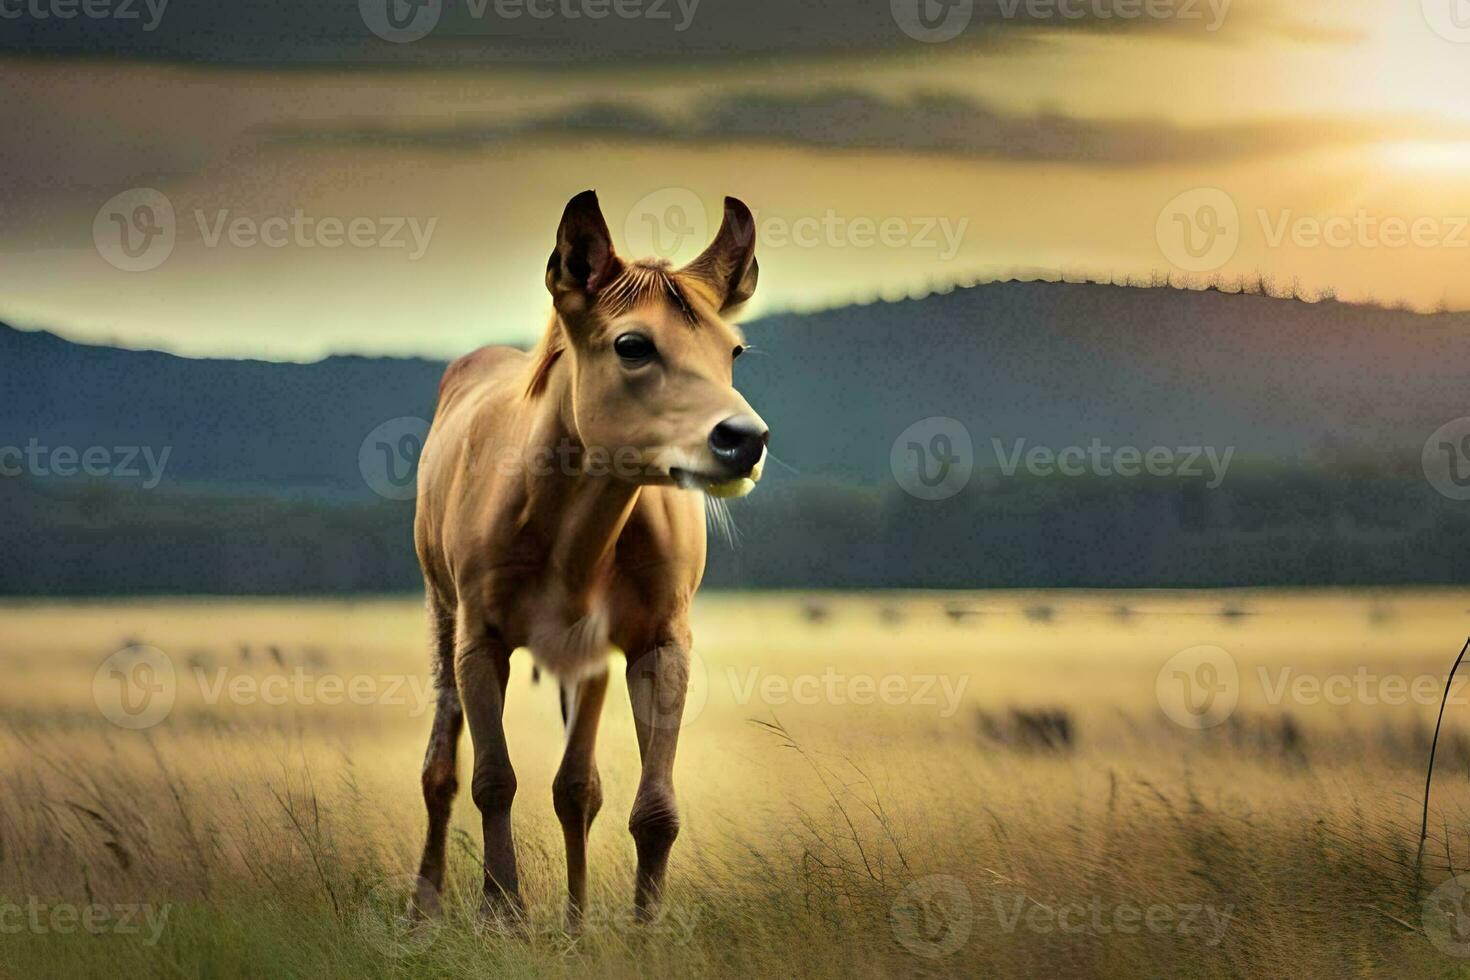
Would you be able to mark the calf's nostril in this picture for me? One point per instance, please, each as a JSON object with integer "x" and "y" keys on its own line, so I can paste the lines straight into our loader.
{"x": 727, "y": 437}
{"x": 738, "y": 442}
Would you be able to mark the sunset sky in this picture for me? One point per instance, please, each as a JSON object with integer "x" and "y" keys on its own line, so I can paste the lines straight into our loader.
{"x": 409, "y": 191}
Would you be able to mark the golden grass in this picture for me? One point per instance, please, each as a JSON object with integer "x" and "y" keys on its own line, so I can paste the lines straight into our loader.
{"x": 826, "y": 833}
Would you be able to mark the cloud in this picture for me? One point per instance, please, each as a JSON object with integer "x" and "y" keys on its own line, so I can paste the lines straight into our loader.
{"x": 553, "y": 33}
{"x": 941, "y": 124}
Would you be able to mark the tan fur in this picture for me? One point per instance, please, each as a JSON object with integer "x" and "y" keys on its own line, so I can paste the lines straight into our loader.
{"x": 528, "y": 541}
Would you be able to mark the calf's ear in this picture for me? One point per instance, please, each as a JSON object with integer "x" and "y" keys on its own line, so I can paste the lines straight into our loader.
{"x": 583, "y": 262}
{"x": 729, "y": 263}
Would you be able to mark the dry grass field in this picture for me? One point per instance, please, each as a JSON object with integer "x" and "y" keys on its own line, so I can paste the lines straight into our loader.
{"x": 981, "y": 784}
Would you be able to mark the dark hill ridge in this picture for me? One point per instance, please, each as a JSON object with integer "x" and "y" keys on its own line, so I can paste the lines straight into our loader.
{"x": 1054, "y": 364}
{"x": 236, "y": 424}
{"x": 1326, "y": 406}
{"x": 1059, "y": 364}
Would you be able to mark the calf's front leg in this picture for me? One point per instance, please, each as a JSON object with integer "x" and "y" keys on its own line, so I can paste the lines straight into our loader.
{"x": 576, "y": 792}
{"x": 482, "y": 669}
{"x": 657, "y": 684}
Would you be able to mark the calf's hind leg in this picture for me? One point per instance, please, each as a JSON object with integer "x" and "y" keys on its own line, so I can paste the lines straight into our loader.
{"x": 440, "y": 782}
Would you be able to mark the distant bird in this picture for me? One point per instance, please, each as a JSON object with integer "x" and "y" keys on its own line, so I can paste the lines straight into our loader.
{"x": 815, "y": 612}
{"x": 1232, "y": 613}
{"x": 275, "y": 653}
{"x": 1124, "y": 612}
{"x": 245, "y": 653}
{"x": 891, "y": 615}
{"x": 1040, "y": 614}
{"x": 958, "y": 612}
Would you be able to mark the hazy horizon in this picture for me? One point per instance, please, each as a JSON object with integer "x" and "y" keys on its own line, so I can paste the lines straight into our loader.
{"x": 1249, "y": 287}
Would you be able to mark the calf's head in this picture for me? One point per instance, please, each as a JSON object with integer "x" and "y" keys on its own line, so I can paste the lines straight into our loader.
{"x": 652, "y": 353}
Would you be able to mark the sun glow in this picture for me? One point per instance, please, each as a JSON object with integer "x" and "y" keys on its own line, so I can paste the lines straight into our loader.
{"x": 1428, "y": 154}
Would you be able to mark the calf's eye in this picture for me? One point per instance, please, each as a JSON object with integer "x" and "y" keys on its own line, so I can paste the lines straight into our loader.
{"x": 633, "y": 347}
